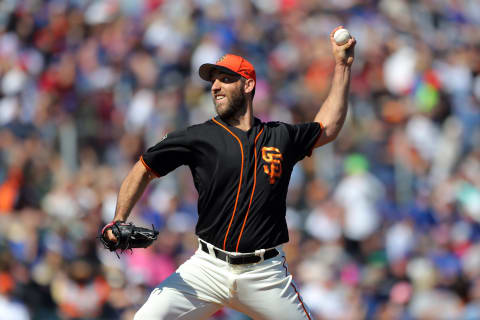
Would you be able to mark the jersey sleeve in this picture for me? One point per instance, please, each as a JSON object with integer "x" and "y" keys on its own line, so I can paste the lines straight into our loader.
{"x": 167, "y": 155}
{"x": 303, "y": 138}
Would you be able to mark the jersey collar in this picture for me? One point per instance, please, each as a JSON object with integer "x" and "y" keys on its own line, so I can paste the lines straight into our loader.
{"x": 257, "y": 123}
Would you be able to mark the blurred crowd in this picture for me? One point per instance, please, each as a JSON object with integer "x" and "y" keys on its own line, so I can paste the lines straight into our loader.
{"x": 384, "y": 222}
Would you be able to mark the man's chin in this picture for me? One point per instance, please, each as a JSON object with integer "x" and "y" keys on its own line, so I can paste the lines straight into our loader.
{"x": 222, "y": 110}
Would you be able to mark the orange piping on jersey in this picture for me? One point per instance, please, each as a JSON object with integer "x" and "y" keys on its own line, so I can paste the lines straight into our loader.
{"x": 239, "y": 183}
{"x": 148, "y": 168}
{"x": 253, "y": 189}
{"x": 295, "y": 289}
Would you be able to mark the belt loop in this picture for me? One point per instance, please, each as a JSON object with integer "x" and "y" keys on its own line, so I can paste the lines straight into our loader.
{"x": 210, "y": 249}
{"x": 260, "y": 253}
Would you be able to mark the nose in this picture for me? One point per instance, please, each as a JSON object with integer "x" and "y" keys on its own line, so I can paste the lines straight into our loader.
{"x": 215, "y": 85}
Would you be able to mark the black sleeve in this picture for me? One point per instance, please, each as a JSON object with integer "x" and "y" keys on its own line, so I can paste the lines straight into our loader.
{"x": 303, "y": 137}
{"x": 170, "y": 153}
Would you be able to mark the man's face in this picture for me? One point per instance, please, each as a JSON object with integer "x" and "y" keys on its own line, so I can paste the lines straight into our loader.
{"x": 228, "y": 94}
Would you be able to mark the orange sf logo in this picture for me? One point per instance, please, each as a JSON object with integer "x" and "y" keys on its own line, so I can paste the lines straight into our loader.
{"x": 221, "y": 58}
{"x": 273, "y": 157}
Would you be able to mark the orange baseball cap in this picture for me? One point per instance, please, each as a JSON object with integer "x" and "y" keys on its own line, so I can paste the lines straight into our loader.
{"x": 229, "y": 63}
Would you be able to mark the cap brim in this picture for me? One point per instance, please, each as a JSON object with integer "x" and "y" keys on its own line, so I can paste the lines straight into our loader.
{"x": 206, "y": 69}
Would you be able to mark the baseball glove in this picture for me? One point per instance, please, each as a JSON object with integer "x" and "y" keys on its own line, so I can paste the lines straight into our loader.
{"x": 128, "y": 236}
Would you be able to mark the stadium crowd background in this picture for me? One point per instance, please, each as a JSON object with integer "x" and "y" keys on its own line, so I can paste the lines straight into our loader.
{"x": 384, "y": 222}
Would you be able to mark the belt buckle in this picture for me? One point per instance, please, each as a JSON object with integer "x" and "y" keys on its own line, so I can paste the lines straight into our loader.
{"x": 234, "y": 260}
{"x": 247, "y": 259}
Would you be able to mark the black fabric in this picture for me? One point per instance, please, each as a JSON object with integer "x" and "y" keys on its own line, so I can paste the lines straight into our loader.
{"x": 243, "y": 259}
{"x": 171, "y": 152}
{"x": 241, "y": 177}
{"x": 303, "y": 138}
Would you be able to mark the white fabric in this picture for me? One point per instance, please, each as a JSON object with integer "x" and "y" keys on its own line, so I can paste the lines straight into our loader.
{"x": 11, "y": 310}
{"x": 204, "y": 284}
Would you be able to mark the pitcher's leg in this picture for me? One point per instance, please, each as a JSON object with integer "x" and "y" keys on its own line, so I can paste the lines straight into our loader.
{"x": 170, "y": 304}
{"x": 268, "y": 292}
{"x": 195, "y": 291}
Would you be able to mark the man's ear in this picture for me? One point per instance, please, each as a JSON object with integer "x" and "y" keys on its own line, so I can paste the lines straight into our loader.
{"x": 249, "y": 85}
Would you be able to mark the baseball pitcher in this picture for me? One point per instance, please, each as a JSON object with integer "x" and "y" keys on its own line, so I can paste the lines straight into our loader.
{"x": 241, "y": 168}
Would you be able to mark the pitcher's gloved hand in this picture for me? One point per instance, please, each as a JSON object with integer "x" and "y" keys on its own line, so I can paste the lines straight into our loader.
{"x": 127, "y": 236}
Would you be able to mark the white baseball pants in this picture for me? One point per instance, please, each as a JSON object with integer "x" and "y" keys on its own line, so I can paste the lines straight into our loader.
{"x": 204, "y": 284}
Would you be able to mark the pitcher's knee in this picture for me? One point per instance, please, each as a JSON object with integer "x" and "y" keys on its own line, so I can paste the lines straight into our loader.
{"x": 139, "y": 315}
{"x": 145, "y": 314}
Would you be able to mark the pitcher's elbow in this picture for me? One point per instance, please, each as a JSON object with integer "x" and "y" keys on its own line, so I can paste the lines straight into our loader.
{"x": 331, "y": 133}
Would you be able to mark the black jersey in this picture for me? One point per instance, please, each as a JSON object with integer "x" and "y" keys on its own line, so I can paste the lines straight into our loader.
{"x": 241, "y": 177}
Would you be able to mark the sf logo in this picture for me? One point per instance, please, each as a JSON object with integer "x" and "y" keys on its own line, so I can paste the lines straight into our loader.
{"x": 273, "y": 157}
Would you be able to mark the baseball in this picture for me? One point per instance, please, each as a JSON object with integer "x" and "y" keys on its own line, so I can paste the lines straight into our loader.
{"x": 341, "y": 36}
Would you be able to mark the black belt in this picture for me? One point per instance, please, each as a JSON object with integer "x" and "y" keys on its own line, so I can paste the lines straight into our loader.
{"x": 240, "y": 259}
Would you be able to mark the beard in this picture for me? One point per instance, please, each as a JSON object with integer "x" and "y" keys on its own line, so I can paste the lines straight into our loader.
{"x": 233, "y": 107}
